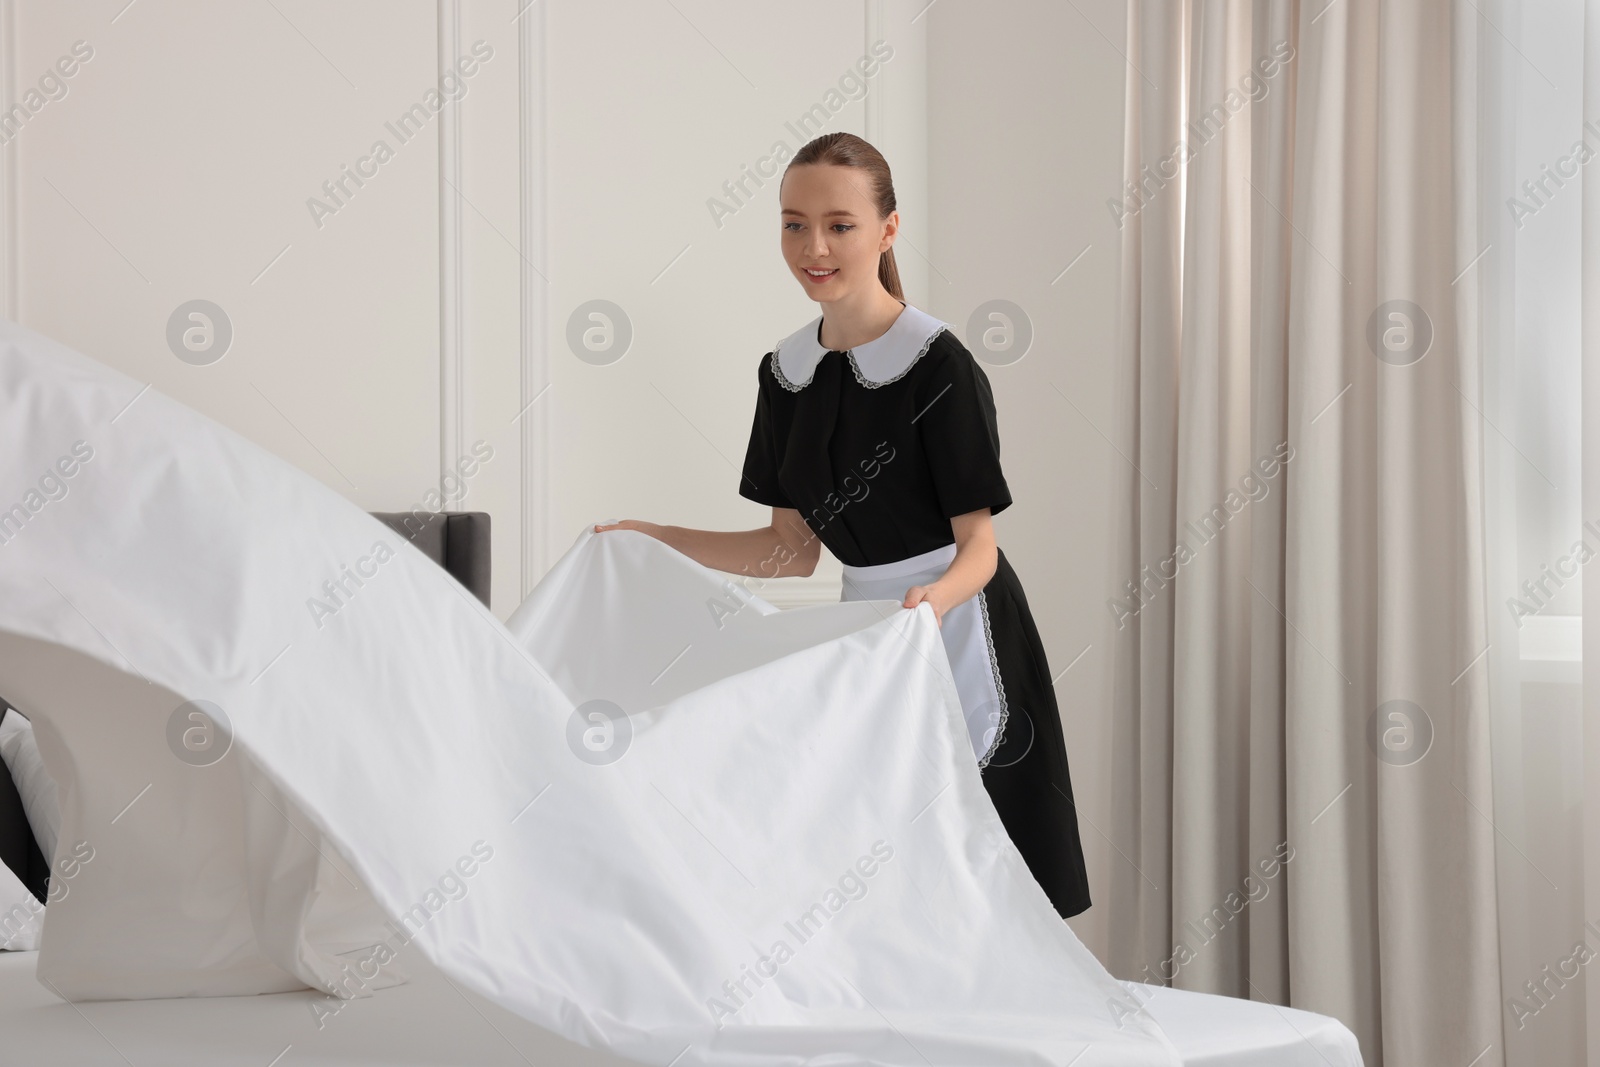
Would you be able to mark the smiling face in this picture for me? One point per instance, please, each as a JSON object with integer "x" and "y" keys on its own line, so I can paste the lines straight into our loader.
{"x": 832, "y": 236}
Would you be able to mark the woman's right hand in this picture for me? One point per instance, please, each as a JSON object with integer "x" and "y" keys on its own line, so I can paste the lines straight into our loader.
{"x": 653, "y": 529}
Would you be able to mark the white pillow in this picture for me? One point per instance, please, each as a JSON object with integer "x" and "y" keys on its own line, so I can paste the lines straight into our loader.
{"x": 21, "y": 914}
{"x": 38, "y": 789}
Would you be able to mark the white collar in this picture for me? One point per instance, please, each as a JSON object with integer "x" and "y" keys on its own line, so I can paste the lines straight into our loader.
{"x": 875, "y": 363}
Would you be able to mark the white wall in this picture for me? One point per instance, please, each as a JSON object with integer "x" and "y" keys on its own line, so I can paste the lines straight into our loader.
{"x": 192, "y": 139}
{"x": 1025, "y": 135}
{"x": 651, "y": 113}
{"x": 178, "y": 167}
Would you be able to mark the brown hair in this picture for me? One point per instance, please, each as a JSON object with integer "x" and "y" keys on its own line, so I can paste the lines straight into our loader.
{"x": 847, "y": 150}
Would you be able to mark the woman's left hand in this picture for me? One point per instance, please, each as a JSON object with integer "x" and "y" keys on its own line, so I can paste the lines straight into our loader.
{"x": 933, "y": 594}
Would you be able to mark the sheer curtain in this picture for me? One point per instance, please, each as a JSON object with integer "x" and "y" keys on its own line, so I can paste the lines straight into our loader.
{"x": 1531, "y": 54}
{"x": 1301, "y": 608}
{"x": 1589, "y": 327}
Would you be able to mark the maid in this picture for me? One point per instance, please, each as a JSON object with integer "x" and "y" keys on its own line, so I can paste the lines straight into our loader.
{"x": 875, "y": 434}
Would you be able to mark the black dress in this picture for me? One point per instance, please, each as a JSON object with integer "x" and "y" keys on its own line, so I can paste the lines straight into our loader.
{"x": 878, "y": 448}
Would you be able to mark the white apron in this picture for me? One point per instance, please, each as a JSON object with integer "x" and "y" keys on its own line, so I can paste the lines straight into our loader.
{"x": 965, "y": 630}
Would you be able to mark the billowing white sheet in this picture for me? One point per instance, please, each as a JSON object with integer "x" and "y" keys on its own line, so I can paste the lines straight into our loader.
{"x": 779, "y": 849}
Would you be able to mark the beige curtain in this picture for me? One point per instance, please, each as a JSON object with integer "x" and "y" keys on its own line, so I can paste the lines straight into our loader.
{"x": 1302, "y": 767}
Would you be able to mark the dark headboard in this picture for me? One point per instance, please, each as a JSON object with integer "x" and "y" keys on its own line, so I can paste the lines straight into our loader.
{"x": 18, "y": 849}
{"x": 456, "y": 540}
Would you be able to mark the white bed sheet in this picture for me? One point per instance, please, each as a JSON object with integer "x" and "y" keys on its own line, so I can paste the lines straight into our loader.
{"x": 429, "y": 1023}
{"x": 390, "y": 731}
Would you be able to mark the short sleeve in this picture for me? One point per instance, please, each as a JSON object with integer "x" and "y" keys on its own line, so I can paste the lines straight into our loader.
{"x": 759, "y": 479}
{"x": 960, "y": 433}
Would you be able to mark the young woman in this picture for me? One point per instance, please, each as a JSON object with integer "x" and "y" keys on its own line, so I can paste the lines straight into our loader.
{"x": 875, "y": 434}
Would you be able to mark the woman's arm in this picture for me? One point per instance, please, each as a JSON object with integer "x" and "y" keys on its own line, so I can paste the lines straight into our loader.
{"x": 785, "y": 547}
{"x": 975, "y": 562}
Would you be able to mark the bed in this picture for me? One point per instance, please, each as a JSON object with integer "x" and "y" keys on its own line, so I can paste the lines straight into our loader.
{"x": 431, "y": 1023}
{"x": 372, "y": 747}
{"x": 430, "y": 1020}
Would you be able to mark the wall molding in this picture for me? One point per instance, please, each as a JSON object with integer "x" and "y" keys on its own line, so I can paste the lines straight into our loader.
{"x": 10, "y": 295}
{"x": 877, "y": 29}
{"x": 895, "y": 120}
{"x": 452, "y": 354}
{"x": 533, "y": 239}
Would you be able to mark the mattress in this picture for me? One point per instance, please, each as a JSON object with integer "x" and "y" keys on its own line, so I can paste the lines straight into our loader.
{"x": 429, "y": 1022}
